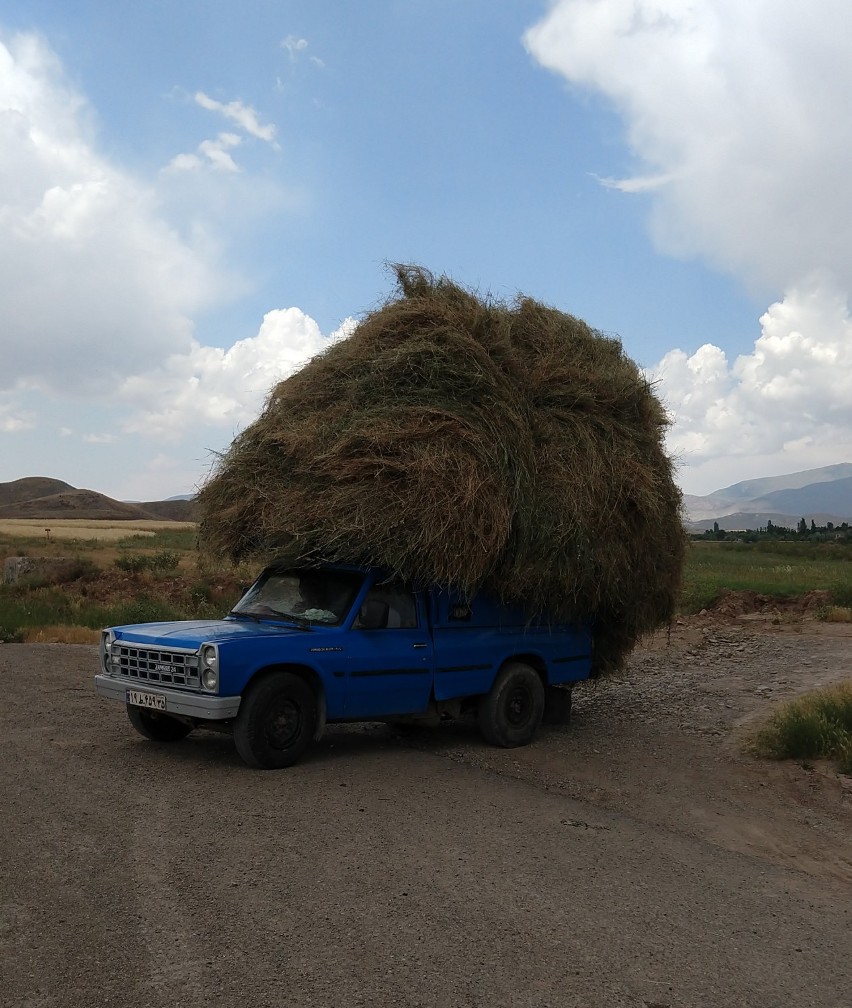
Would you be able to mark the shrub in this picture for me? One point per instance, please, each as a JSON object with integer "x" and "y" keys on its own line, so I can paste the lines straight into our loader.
{"x": 815, "y": 726}
{"x": 158, "y": 563}
{"x": 133, "y": 564}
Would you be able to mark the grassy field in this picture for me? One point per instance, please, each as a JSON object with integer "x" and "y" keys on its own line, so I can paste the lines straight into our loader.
{"x": 125, "y": 572}
{"x": 778, "y": 569}
{"x": 119, "y": 572}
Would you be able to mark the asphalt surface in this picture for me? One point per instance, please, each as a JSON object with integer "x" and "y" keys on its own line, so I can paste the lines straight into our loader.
{"x": 376, "y": 872}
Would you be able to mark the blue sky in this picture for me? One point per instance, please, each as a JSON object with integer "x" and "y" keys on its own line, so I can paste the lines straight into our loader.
{"x": 197, "y": 196}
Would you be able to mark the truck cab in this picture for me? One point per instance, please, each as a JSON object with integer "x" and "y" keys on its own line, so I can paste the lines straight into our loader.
{"x": 309, "y": 646}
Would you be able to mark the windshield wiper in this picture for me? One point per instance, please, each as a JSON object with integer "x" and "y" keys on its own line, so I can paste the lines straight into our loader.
{"x": 300, "y": 622}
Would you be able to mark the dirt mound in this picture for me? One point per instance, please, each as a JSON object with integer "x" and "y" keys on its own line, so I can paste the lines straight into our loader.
{"x": 743, "y": 603}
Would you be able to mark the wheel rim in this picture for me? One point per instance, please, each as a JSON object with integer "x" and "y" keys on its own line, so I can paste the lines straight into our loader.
{"x": 519, "y": 705}
{"x": 283, "y": 725}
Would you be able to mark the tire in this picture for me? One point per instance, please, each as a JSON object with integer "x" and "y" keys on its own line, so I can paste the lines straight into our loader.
{"x": 156, "y": 726}
{"x": 511, "y": 713}
{"x": 557, "y": 705}
{"x": 276, "y": 722}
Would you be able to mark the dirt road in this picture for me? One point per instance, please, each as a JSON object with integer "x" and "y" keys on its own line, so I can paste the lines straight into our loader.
{"x": 636, "y": 858}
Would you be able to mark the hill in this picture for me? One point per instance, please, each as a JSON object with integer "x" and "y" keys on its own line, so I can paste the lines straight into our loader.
{"x": 43, "y": 498}
{"x": 29, "y": 488}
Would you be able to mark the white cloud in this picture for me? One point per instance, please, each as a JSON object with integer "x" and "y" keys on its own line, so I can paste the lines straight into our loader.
{"x": 100, "y": 438}
{"x": 296, "y": 46}
{"x": 13, "y": 418}
{"x": 215, "y": 152}
{"x": 737, "y": 114}
{"x": 787, "y": 401}
{"x": 243, "y": 115}
{"x": 93, "y": 281}
{"x": 741, "y": 107}
{"x": 209, "y": 386}
{"x": 293, "y": 44}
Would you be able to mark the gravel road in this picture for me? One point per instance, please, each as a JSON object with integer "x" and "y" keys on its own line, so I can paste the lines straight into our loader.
{"x": 636, "y": 858}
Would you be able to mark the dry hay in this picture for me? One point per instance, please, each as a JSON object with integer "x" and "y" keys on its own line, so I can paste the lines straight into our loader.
{"x": 472, "y": 443}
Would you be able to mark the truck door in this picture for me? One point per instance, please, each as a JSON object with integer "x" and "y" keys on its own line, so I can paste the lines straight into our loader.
{"x": 390, "y": 662}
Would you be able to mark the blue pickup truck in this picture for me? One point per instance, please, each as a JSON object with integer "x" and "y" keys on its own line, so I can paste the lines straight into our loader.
{"x": 310, "y": 646}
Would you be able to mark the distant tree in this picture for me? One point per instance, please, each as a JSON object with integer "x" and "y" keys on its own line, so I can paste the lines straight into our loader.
{"x": 813, "y": 525}
{"x": 802, "y": 527}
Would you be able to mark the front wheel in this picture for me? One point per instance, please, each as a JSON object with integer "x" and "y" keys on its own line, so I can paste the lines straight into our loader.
{"x": 276, "y": 721}
{"x": 156, "y": 726}
{"x": 510, "y": 714}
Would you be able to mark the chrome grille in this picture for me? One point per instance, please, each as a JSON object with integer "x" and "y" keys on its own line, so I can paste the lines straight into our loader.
{"x": 167, "y": 668}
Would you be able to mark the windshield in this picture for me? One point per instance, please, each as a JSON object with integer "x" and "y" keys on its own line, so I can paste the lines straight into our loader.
{"x": 306, "y": 596}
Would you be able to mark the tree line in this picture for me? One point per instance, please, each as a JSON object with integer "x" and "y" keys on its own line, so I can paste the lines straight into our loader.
{"x": 770, "y": 531}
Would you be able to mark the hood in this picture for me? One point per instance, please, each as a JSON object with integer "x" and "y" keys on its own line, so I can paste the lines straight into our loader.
{"x": 192, "y": 633}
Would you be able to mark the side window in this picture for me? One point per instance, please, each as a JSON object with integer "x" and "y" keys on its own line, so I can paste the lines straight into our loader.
{"x": 387, "y": 607}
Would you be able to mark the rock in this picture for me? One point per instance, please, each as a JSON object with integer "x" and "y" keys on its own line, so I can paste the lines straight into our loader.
{"x": 23, "y": 568}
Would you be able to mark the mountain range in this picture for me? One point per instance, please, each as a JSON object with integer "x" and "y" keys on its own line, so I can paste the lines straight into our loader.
{"x": 44, "y": 498}
{"x": 818, "y": 495}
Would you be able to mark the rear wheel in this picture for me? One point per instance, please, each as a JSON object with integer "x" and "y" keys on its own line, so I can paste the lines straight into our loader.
{"x": 157, "y": 726}
{"x": 276, "y": 721}
{"x": 510, "y": 714}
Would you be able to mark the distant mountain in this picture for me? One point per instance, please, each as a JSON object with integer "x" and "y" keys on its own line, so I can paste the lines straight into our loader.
{"x": 752, "y": 489}
{"x": 819, "y": 495}
{"x": 46, "y": 499}
{"x": 173, "y": 509}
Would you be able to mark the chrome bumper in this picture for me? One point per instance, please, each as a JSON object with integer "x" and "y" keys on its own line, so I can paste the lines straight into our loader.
{"x": 205, "y": 706}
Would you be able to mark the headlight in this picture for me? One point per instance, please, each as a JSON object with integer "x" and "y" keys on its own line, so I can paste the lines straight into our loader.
{"x": 107, "y": 638}
{"x": 209, "y": 667}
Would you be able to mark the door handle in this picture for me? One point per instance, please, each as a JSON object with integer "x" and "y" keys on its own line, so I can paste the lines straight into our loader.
{"x": 419, "y": 645}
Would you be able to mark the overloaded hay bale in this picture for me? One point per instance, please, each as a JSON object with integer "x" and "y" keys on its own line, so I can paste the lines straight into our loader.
{"x": 471, "y": 443}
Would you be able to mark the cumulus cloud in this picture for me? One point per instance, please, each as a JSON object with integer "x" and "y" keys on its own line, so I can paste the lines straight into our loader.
{"x": 223, "y": 388}
{"x": 789, "y": 394}
{"x": 93, "y": 281}
{"x": 737, "y": 116}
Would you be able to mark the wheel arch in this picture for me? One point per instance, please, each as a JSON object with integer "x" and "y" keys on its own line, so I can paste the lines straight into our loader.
{"x": 535, "y": 662}
{"x": 310, "y": 676}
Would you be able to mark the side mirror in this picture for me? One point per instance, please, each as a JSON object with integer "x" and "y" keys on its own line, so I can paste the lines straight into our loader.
{"x": 373, "y": 615}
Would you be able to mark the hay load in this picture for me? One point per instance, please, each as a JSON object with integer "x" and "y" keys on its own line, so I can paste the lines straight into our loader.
{"x": 471, "y": 443}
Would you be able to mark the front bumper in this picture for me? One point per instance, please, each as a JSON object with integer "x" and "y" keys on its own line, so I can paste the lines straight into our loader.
{"x": 205, "y": 706}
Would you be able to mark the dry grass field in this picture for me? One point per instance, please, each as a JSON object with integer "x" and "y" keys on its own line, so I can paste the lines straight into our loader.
{"x": 71, "y": 528}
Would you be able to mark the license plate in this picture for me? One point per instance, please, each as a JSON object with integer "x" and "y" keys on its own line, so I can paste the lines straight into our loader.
{"x": 155, "y": 701}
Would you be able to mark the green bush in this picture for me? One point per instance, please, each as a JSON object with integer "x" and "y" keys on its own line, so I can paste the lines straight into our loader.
{"x": 133, "y": 564}
{"x": 815, "y": 726}
{"x": 159, "y": 563}
{"x": 164, "y": 561}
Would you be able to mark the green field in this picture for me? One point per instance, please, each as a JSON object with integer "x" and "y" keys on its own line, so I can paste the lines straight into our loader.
{"x": 779, "y": 569}
{"x": 118, "y": 573}
{"x": 156, "y": 573}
